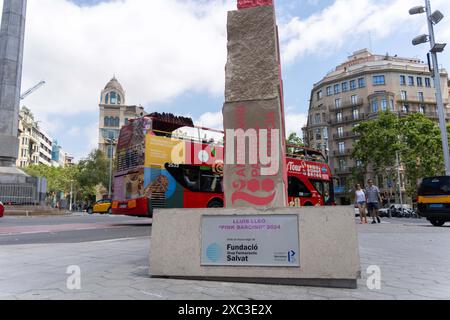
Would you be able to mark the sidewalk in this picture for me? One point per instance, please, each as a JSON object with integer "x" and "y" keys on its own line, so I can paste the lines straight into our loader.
{"x": 413, "y": 258}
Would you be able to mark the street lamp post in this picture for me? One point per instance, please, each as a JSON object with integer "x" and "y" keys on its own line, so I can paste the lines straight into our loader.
{"x": 71, "y": 195}
{"x": 399, "y": 177}
{"x": 111, "y": 149}
{"x": 434, "y": 18}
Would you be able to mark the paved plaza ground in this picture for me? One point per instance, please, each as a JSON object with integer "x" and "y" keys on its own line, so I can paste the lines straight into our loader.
{"x": 413, "y": 257}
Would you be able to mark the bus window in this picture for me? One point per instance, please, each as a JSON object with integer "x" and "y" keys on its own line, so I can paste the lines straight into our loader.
{"x": 297, "y": 188}
{"x": 325, "y": 188}
{"x": 210, "y": 182}
{"x": 196, "y": 179}
{"x": 318, "y": 185}
{"x": 329, "y": 192}
{"x": 187, "y": 176}
{"x": 191, "y": 177}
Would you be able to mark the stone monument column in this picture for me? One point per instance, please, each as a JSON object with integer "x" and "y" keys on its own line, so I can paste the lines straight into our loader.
{"x": 255, "y": 163}
{"x": 11, "y": 55}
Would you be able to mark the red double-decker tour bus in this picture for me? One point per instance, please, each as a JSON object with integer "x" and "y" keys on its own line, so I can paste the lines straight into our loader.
{"x": 164, "y": 161}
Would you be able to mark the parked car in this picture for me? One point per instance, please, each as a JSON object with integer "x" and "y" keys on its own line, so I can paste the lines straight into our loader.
{"x": 397, "y": 211}
{"x": 434, "y": 200}
{"x": 102, "y": 206}
{"x": 2, "y": 209}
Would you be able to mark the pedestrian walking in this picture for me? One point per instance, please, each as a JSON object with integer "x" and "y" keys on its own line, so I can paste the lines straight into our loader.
{"x": 360, "y": 203}
{"x": 373, "y": 199}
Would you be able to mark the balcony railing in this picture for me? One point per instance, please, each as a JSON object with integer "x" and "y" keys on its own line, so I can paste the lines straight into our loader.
{"x": 324, "y": 122}
{"x": 418, "y": 100}
{"x": 345, "y": 135}
{"x": 343, "y": 153}
{"x": 346, "y": 170}
{"x": 348, "y": 104}
{"x": 347, "y": 119}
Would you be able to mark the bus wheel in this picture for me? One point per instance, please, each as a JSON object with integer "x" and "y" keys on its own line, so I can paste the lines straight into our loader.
{"x": 308, "y": 204}
{"x": 215, "y": 204}
{"x": 437, "y": 222}
{"x": 90, "y": 211}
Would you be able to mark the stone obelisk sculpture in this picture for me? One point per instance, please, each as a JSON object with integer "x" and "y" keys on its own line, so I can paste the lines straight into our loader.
{"x": 11, "y": 55}
{"x": 254, "y": 173}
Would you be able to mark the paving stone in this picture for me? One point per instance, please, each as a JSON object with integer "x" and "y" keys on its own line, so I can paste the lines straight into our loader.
{"x": 118, "y": 270}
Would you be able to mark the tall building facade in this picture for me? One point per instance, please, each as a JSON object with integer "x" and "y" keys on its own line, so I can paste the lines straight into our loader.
{"x": 358, "y": 90}
{"x": 114, "y": 114}
{"x": 35, "y": 146}
{"x": 58, "y": 155}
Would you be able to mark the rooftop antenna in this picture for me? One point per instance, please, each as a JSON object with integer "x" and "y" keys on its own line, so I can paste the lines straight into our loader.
{"x": 370, "y": 41}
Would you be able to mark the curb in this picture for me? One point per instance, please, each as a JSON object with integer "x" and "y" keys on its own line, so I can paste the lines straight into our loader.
{"x": 20, "y": 213}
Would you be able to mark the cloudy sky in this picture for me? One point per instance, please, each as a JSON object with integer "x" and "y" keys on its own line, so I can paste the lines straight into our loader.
{"x": 170, "y": 55}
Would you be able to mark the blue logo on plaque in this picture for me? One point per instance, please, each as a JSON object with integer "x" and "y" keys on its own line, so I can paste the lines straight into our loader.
{"x": 213, "y": 252}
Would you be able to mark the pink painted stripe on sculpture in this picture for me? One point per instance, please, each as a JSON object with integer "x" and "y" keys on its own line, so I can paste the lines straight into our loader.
{"x": 243, "y": 4}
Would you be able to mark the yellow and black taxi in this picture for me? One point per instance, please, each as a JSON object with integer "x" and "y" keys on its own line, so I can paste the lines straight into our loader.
{"x": 101, "y": 206}
{"x": 433, "y": 200}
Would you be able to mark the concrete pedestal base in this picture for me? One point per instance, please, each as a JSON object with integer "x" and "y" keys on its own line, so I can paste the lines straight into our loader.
{"x": 329, "y": 252}
{"x": 12, "y": 175}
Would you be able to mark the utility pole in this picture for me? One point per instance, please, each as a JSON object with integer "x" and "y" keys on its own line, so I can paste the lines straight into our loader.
{"x": 71, "y": 194}
{"x": 399, "y": 181}
{"x": 437, "y": 81}
{"x": 111, "y": 149}
{"x": 432, "y": 19}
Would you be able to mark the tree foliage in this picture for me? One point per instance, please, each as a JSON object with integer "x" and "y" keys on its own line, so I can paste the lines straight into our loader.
{"x": 415, "y": 138}
{"x": 94, "y": 170}
{"x": 58, "y": 179}
{"x": 378, "y": 142}
{"x": 294, "y": 140}
{"x": 82, "y": 178}
{"x": 422, "y": 154}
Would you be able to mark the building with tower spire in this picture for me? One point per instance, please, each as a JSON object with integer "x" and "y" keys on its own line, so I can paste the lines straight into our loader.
{"x": 114, "y": 113}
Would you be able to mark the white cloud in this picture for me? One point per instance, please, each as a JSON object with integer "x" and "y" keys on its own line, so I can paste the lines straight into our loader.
{"x": 89, "y": 135}
{"x": 74, "y": 131}
{"x": 161, "y": 49}
{"x": 295, "y": 122}
{"x": 158, "y": 49}
{"x": 212, "y": 120}
{"x": 327, "y": 31}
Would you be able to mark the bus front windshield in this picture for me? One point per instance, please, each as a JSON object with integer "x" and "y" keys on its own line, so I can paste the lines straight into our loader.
{"x": 325, "y": 188}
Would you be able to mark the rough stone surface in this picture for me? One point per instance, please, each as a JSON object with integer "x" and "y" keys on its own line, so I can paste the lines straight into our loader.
{"x": 328, "y": 245}
{"x": 252, "y": 70}
{"x": 11, "y": 55}
{"x": 9, "y": 145}
{"x": 253, "y": 101}
{"x": 243, "y": 185}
